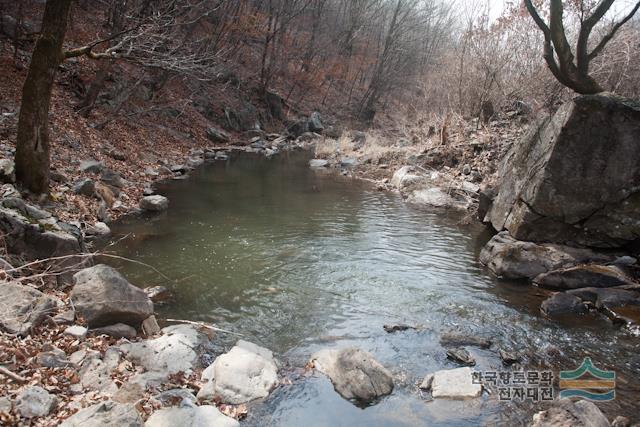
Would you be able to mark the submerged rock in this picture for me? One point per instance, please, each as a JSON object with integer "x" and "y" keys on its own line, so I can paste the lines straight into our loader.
{"x": 461, "y": 356}
{"x": 565, "y": 412}
{"x": 458, "y": 339}
{"x": 452, "y": 383}
{"x": 509, "y": 258}
{"x": 245, "y": 373}
{"x": 22, "y": 307}
{"x": 105, "y": 414}
{"x": 563, "y": 303}
{"x": 200, "y": 416}
{"x": 102, "y": 296}
{"x": 355, "y": 374}
{"x": 580, "y": 300}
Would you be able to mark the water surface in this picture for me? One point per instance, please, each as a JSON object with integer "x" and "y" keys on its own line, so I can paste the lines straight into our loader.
{"x": 297, "y": 260}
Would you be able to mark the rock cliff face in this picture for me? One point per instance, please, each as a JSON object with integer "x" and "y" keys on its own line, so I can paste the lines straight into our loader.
{"x": 575, "y": 177}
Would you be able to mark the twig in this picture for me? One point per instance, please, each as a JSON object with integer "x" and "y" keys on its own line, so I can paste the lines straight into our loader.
{"x": 204, "y": 325}
{"x": 13, "y": 376}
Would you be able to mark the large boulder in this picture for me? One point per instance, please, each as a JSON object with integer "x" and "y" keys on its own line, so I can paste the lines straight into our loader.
{"x": 105, "y": 414}
{"x": 102, "y": 296}
{"x": 196, "y": 416}
{"x": 247, "y": 372}
{"x": 575, "y": 176}
{"x": 177, "y": 350}
{"x": 355, "y": 374}
{"x": 154, "y": 203}
{"x": 23, "y": 307}
{"x": 566, "y": 413}
{"x": 509, "y": 258}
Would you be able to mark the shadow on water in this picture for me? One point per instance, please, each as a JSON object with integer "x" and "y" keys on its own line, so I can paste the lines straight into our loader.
{"x": 298, "y": 260}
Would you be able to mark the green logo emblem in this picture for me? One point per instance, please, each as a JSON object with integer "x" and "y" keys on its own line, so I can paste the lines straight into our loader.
{"x": 588, "y": 382}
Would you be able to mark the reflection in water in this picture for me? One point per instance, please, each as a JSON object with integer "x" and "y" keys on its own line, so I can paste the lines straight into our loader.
{"x": 298, "y": 261}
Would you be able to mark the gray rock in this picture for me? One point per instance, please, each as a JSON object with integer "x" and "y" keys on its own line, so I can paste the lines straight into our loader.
{"x": 158, "y": 294}
{"x": 461, "y": 356}
{"x": 138, "y": 385}
{"x": 175, "y": 351}
{"x": 150, "y": 326}
{"x": 65, "y": 318}
{"x": 245, "y": 373}
{"x": 76, "y": 331}
{"x": 200, "y": 416}
{"x": 175, "y": 397}
{"x": 112, "y": 178}
{"x": 563, "y": 303}
{"x": 509, "y": 357}
{"x": 155, "y": 203}
{"x": 318, "y": 163}
{"x": 23, "y": 307}
{"x": 33, "y": 241}
{"x": 99, "y": 229}
{"x": 457, "y": 339}
{"x": 575, "y": 177}
{"x": 355, "y": 374}
{"x": 406, "y": 177}
{"x": 435, "y": 197}
{"x": 54, "y": 358}
{"x": 466, "y": 169}
{"x": 35, "y": 402}
{"x": 315, "y": 123}
{"x": 509, "y": 258}
{"x": 119, "y": 330}
{"x": 5, "y": 404}
{"x": 95, "y": 375}
{"x": 565, "y": 412}
{"x": 7, "y": 171}
{"x": 105, "y": 414}
{"x": 92, "y": 166}
{"x": 28, "y": 210}
{"x": 583, "y": 276}
{"x": 85, "y": 187}
{"x": 453, "y": 383}
{"x": 348, "y": 162}
{"x": 103, "y": 297}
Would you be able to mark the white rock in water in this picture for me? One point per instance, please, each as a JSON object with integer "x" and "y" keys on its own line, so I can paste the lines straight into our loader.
{"x": 247, "y": 372}
{"x": 318, "y": 163}
{"x": 453, "y": 383}
{"x": 198, "y": 416}
{"x": 355, "y": 374}
{"x": 35, "y": 402}
{"x": 155, "y": 203}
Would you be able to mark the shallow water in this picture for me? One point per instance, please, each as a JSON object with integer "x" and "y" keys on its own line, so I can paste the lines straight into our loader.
{"x": 298, "y": 260}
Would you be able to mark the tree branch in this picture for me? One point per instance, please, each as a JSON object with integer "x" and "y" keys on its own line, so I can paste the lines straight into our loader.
{"x": 596, "y": 51}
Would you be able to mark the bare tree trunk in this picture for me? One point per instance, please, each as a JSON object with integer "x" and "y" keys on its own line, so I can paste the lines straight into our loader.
{"x": 32, "y": 149}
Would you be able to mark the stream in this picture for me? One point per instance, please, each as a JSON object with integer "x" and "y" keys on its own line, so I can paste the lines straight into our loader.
{"x": 298, "y": 260}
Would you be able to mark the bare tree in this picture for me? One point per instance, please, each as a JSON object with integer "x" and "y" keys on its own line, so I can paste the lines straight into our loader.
{"x": 573, "y": 70}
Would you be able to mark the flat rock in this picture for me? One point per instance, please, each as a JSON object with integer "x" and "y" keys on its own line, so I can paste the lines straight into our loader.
{"x": 583, "y": 276}
{"x": 355, "y": 374}
{"x": 95, "y": 375}
{"x": 22, "y": 307}
{"x": 54, "y": 358}
{"x": 102, "y": 296}
{"x": 455, "y": 384}
{"x": 457, "y": 339}
{"x": 509, "y": 258}
{"x": 436, "y": 197}
{"x": 566, "y": 413}
{"x": 318, "y": 163}
{"x": 76, "y": 331}
{"x": 92, "y": 166}
{"x": 119, "y": 330}
{"x": 106, "y": 414}
{"x": 155, "y": 203}
{"x": 197, "y": 416}
{"x": 175, "y": 351}
{"x": 35, "y": 402}
{"x": 245, "y": 373}
{"x": 563, "y": 303}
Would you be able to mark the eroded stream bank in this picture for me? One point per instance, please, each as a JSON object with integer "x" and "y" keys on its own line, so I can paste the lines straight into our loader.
{"x": 296, "y": 261}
